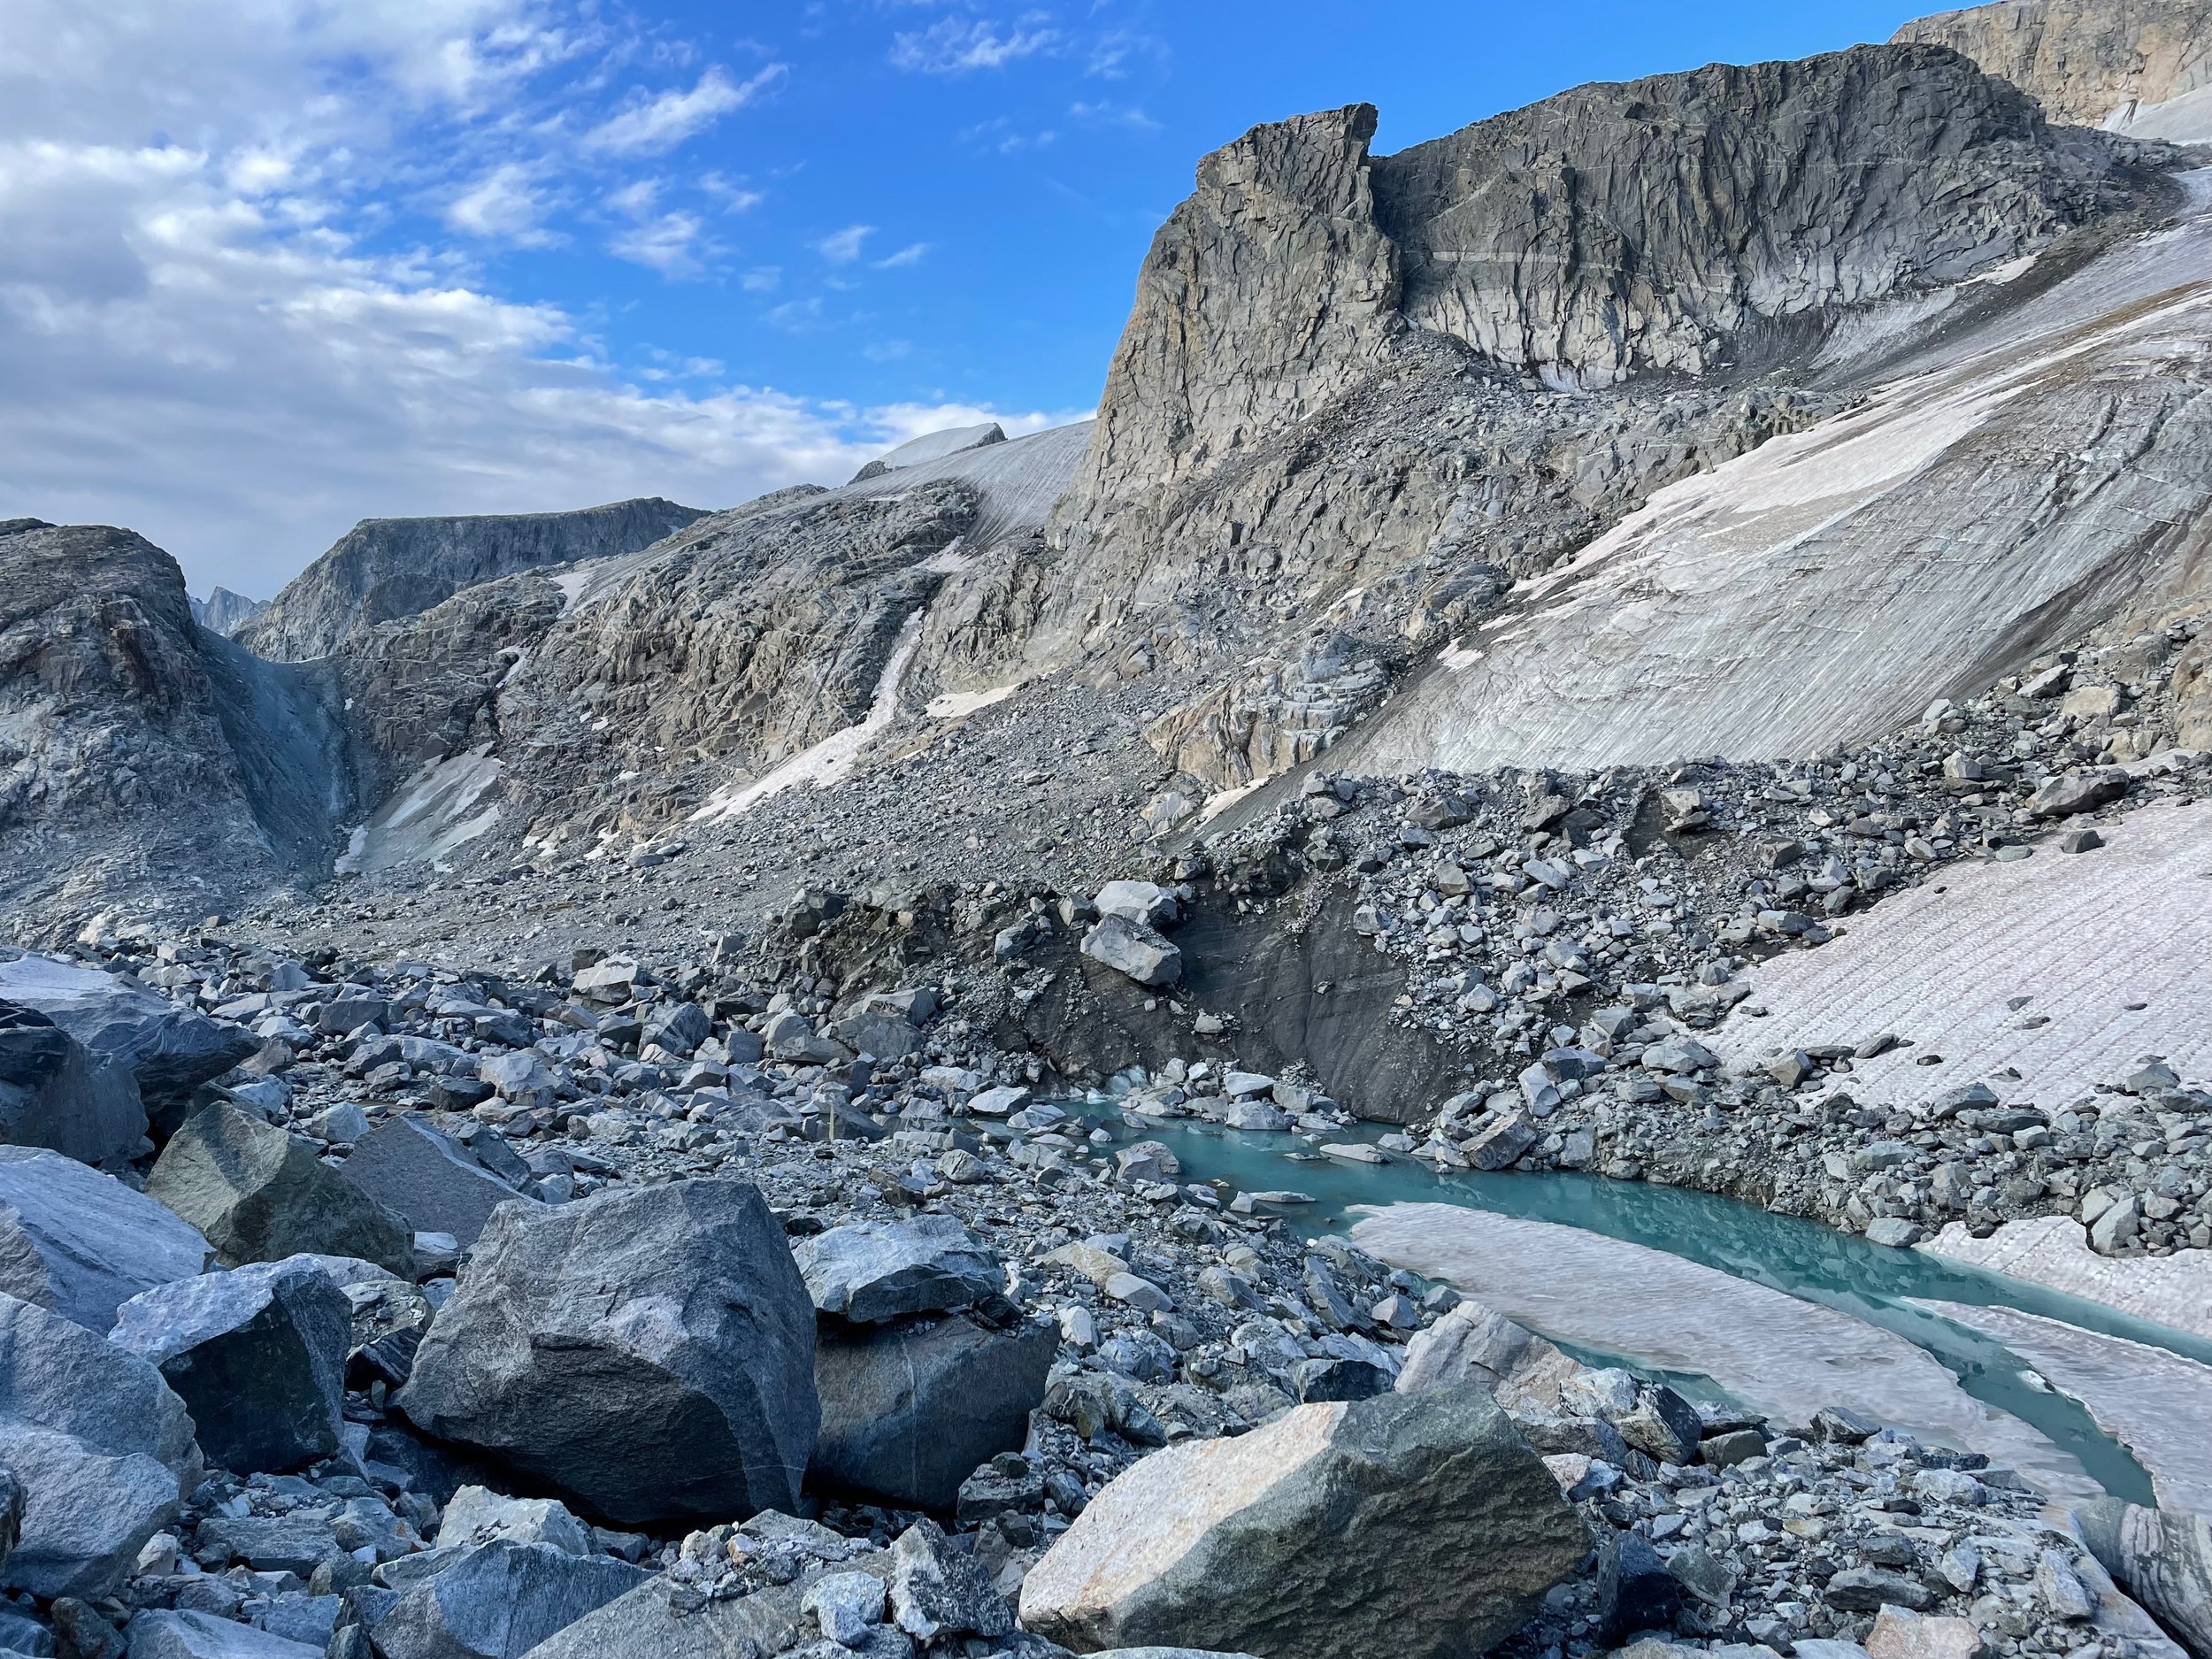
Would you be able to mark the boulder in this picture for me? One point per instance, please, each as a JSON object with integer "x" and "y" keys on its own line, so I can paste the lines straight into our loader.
{"x": 101, "y": 1445}
{"x": 2073, "y": 791}
{"x": 1140, "y": 902}
{"x": 427, "y": 1179}
{"x": 170, "y": 1049}
{"x": 80, "y": 1243}
{"x": 257, "y": 1354}
{"x": 1414, "y": 1523}
{"x": 260, "y": 1195}
{"x": 940, "y": 1594}
{"x": 880, "y": 1270}
{"x": 476, "y": 1516}
{"x": 909, "y": 1410}
{"x": 649, "y": 1350}
{"x": 158, "y": 1633}
{"x": 885, "y": 1034}
{"x": 56, "y": 1093}
{"x": 1132, "y": 948}
{"x": 664, "y": 1619}
{"x": 2161, "y": 1558}
{"x": 500, "y": 1601}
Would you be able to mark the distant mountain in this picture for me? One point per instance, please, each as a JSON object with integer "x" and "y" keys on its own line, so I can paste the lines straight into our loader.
{"x": 226, "y": 612}
{"x": 387, "y": 568}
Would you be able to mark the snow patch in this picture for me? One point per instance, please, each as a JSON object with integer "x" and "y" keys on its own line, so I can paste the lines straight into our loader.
{"x": 953, "y": 705}
{"x": 435, "y": 812}
{"x": 829, "y": 761}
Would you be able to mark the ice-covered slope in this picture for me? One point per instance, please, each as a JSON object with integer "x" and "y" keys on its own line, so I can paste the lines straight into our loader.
{"x": 2000, "y": 494}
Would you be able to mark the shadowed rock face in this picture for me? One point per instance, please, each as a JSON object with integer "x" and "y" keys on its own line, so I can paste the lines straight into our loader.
{"x": 383, "y": 569}
{"x": 2096, "y": 63}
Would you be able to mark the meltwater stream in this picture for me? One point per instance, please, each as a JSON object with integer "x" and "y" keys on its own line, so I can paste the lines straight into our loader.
{"x": 1800, "y": 1258}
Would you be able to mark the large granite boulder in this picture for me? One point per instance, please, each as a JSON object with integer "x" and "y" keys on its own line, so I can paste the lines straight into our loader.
{"x": 1132, "y": 948}
{"x": 500, "y": 1601}
{"x": 872, "y": 1271}
{"x": 80, "y": 1243}
{"x": 428, "y": 1178}
{"x": 1418, "y": 1523}
{"x": 55, "y": 1092}
{"x": 647, "y": 1351}
{"x": 171, "y": 1050}
{"x": 909, "y": 1410}
{"x": 260, "y": 1195}
{"x": 257, "y": 1354}
{"x": 101, "y": 1446}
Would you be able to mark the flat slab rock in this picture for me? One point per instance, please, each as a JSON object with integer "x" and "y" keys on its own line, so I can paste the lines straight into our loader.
{"x": 872, "y": 1270}
{"x": 170, "y": 1049}
{"x": 1772, "y": 1351}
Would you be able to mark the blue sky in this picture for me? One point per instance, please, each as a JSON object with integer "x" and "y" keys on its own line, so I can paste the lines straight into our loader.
{"x": 267, "y": 267}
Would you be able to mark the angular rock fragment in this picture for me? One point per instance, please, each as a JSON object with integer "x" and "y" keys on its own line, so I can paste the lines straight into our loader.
{"x": 170, "y": 1049}
{"x": 2161, "y": 1558}
{"x": 649, "y": 1350}
{"x": 56, "y": 1093}
{"x": 101, "y": 1445}
{"x": 80, "y": 1243}
{"x": 1297, "y": 1540}
{"x": 162, "y": 1634}
{"x": 428, "y": 1178}
{"x": 872, "y": 1270}
{"x": 909, "y": 1410}
{"x": 260, "y": 1195}
{"x": 2074, "y": 792}
{"x": 257, "y": 1354}
{"x": 1135, "y": 949}
{"x": 500, "y": 1601}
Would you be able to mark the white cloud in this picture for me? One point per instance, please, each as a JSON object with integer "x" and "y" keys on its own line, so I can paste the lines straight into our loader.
{"x": 762, "y": 278}
{"x": 1105, "y": 114}
{"x": 654, "y": 126}
{"x": 843, "y": 247}
{"x": 506, "y": 205}
{"x": 206, "y": 332}
{"x": 954, "y": 46}
{"x": 669, "y": 244}
{"x": 911, "y": 254}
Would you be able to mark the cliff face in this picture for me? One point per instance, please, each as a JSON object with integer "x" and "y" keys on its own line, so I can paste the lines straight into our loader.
{"x": 1652, "y": 226}
{"x": 2126, "y": 65}
{"x": 384, "y": 569}
{"x": 136, "y": 745}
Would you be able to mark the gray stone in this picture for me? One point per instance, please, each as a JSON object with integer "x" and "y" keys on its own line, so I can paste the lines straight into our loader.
{"x": 1892, "y": 1231}
{"x": 159, "y": 1633}
{"x": 257, "y": 1354}
{"x": 845, "y": 1606}
{"x": 81, "y": 1243}
{"x": 476, "y": 1515}
{"x": 2074, "y": 792}
{"x": 260, "y": 1195}
{"x": 293, "y": 1543}
{"x": 1503, "y": 1143}
{"x": 872, "y": 1270}
{"x": 500, "y": 1601}
{"x": 679, "y": 1027}
{"x": 649, "y": 1350}
{"x": 1869, "y": 1589}
{"x": 1135, "y": 949}
{"x": 885, "y": 1034}
{"x": 56, "y": 1093}
{"x": 101, "y": 1446}
{"x": 428, "y": 1179}
{"x": 1305, "y": 1539}
{"x": 664, "y": 1619}
{"x": 909, "y": 1410}
{"x": 938, "y": 1592}
{"x": 1140, "y": 902}
{"x": 2161, "y": 1558}
{"x": 170, "y": 1049}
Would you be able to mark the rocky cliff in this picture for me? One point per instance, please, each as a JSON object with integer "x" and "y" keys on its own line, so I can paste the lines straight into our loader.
{"x": 383, "y": 569}
{"x": 225, "y": 611}
{"x": 140, "y": 750}
{"x": 2129, "y": 65}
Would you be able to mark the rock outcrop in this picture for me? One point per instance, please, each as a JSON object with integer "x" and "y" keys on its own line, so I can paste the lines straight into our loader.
{"x": 2126, "y": 66}
{"x": 225, "y": 612}
{"x": 383, "y": 569}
